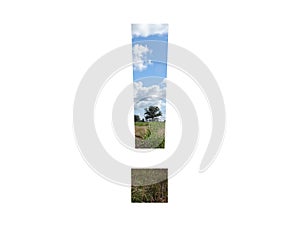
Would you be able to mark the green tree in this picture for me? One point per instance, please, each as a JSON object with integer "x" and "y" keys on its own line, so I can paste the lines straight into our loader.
{"x": 152, "y": 112}
{"x": 137, "y": 118}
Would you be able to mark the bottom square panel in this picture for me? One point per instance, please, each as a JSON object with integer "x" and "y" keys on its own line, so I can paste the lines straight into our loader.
{"x": 149, "y": 185}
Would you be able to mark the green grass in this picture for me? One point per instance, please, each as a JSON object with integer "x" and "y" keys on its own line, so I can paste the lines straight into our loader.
{"x": 141, "y": 123}
{"x": 149, "y": 185}
{"x": 162, "y": 144}
{"x": 156, "y": 138}
{"x": 147, "y": 134}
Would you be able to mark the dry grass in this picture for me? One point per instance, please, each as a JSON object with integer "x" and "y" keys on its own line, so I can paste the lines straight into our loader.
{"x": 149, "y": 185}
{"x": 142, "y": 132}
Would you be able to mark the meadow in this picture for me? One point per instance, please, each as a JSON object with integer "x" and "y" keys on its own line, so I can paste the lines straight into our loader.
{"x": 150, "y": 134}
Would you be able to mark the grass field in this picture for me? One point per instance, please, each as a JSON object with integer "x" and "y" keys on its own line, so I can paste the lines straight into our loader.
{"x": 149, "y": 185}
{"x": 150, "y": 135}
{"x": 141, "y": 123}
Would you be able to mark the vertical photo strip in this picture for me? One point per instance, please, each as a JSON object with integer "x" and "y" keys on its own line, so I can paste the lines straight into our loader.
{"x": 149, "y": 55}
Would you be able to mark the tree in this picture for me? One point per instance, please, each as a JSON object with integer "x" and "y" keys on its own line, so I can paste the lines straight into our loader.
{"x": 152, "y": 112}
{"x": 137, "y": 118}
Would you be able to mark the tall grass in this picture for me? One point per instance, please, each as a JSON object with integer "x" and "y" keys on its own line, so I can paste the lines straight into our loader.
{"x": 149, "y": 185}
{"x": 157, "y": 137}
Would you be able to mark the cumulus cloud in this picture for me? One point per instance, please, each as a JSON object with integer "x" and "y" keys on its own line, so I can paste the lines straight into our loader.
{"x": 153, "y": 91}
{"x": 146, "y": 30}
{"x": 140, "y": 57}
{"x": 146, "y": 96}
{"x": 146, "y": 103}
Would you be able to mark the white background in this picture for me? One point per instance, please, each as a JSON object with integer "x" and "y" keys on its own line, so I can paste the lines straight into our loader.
{"x": 252, "y": 48}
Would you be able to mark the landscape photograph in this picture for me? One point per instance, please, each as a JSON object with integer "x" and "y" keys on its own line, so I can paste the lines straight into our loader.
{"x": 149, "y": 53}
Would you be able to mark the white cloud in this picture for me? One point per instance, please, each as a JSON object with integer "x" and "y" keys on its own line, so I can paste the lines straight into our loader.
{"x": 146, "y": 96}
{"x": 146, "y": 103}
{"x": 145, "y": 30}
{"x": 140, "y": 57}
{"x": 153, "y": 91}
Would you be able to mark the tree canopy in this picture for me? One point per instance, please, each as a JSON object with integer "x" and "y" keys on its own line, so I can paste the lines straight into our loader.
{"x": 137, "y": 118}
{"x": 152, "y": 112}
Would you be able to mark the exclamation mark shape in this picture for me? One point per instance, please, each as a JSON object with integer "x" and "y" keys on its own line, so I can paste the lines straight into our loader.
{"x": 149, "y": 56}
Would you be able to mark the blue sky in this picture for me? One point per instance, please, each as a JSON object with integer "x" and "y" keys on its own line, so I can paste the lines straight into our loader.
{"x": 152, "y": 52}
{"x": 149, "y": 52}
